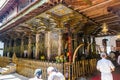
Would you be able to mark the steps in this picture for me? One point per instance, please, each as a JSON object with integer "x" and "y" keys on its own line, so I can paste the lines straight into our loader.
{"x": 10, "y": 68}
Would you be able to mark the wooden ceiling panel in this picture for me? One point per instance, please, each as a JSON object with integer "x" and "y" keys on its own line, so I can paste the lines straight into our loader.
{"x": 99, "y": 12}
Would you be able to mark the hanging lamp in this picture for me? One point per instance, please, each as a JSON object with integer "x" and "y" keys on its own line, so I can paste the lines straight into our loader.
{"x": 104, "y": 28}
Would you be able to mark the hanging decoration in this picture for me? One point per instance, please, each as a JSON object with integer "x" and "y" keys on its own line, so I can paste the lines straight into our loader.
{"x": 104, "y": 28}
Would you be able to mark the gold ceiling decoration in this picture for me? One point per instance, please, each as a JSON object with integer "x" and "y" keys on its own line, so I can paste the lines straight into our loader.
{"x": 60, "y": 10}
{"x": 104, "y": 28}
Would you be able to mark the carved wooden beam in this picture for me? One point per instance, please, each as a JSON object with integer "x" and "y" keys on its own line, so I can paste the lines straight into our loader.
{"x": 108, "y": 19}
{"x": 115, "y": 9}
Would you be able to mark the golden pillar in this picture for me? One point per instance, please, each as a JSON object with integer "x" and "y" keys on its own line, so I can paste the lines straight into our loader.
{"x": 48, "y": 44}
{"x": 29, "y": 46}
{"x": 59, "y": 42}
{"x": 37, "y": 46}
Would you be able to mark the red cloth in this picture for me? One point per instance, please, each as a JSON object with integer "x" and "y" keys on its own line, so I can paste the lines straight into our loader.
{"x": 116, "y": 76}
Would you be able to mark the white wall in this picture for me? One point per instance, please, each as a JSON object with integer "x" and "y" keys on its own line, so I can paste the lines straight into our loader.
{"x": 111, "y": 42}
{"x": 1, "y": 46}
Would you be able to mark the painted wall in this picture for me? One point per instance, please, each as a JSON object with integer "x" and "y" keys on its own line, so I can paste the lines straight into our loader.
{"x": 111, "y": 42}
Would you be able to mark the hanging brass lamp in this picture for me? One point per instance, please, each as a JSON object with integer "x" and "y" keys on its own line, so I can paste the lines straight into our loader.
{"x": 104, "y": 28}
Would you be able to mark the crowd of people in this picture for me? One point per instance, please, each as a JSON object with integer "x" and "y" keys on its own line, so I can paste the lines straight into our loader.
{"x": 53, "y": 74}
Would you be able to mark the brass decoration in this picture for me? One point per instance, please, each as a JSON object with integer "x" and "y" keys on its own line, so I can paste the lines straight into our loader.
{"x": 14, "y": 58}
{"x": 104, "y": 28}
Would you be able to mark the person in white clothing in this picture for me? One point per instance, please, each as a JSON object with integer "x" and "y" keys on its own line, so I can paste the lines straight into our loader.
{"x": 37, "y": 75}
{"x": 105, "y": 66}
{"x": 54, "y": 74}
{"x": 118, "y": 60}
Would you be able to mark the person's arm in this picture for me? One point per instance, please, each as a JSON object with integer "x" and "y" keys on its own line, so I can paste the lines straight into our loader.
{"x": 112, "y": 66}
{"x": 98, "y": 67}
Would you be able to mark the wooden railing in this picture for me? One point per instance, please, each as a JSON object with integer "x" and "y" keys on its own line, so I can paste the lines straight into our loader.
{"x": 80, "y": 68}
{"x": 4, "y": 61}
{"x": 27, "y": 67}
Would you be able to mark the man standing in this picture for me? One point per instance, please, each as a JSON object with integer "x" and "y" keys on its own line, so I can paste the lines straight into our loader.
{"x": 105, "y": 66}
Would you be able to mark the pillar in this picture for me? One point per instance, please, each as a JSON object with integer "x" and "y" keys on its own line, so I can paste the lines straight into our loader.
{"x": 94, "y": 46}
{"x": 85, "y": 44}
{"x": 14, "y": 47}
{"x": 10, "y": 45}
{"x": 29, "y": 46}
{"x": 5, "y": 48}
{"x": 69, "y": 42}
{"x": 89, "y": 45}
{"x": 48, "y": 44}
{"x": 37, "y": 46}
{"x": 22, "y": 47}
{"x": 60, "y": 43}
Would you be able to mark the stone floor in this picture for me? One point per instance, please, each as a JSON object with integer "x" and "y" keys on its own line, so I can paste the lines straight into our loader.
{"x": 13, "y": 76}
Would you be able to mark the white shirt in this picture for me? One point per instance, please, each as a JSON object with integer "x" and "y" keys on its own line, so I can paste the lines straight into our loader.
{"x": 105, "y": 66}
{"x": 56, "y": 76}
{"x": 118, "y": 60}
{"x": 35, "y": 78}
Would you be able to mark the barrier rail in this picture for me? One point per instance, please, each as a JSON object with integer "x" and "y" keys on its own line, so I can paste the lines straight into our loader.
{"x": 74, "y": 70}
{"x": 80, "y": 68}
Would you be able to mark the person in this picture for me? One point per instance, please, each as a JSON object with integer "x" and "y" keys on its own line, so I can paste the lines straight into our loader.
{"x": 112, "y": 56}
{"x": 25, "y": 53}
{"x": 118, "y": 60}
{"x": 105, "y": 66}
{"x": 54, "y": 74}
{"x": 37, "y": 75}
{"x": 8, "y": 54}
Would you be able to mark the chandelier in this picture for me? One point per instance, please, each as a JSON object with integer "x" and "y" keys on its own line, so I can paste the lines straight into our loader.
{"x": 104, "y": 28}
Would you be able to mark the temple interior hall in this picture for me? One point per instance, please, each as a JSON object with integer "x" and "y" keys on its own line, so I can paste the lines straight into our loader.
{"x": 69, "y": 35}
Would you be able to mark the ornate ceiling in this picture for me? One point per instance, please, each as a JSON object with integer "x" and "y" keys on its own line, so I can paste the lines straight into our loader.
{"x": 100, "y": 11}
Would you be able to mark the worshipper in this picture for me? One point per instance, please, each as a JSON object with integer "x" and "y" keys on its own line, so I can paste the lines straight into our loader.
{"x": 118, "y": 60}
{"x": 113, "y": 57}
{"x": 25, "y": 54}
{"x": 105, "y": 66}
{"x": 37, "y": 75}
{"x": 54, "y": 74}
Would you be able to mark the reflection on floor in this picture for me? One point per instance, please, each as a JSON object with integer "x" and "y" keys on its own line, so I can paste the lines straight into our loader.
{"x": 13, "y": 76}
{"x": 116, "y": 75}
